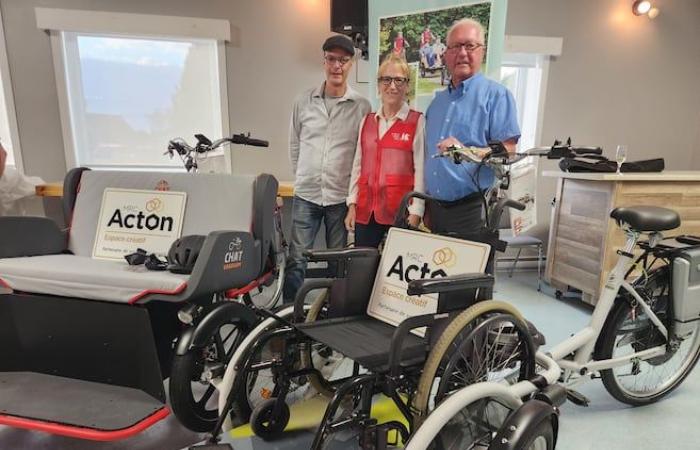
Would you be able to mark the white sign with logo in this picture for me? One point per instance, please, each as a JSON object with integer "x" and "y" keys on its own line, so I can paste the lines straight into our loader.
{"x": 523, "y": 185}
{"x": 131, "y": 219}
{"x": 412, "y": 255}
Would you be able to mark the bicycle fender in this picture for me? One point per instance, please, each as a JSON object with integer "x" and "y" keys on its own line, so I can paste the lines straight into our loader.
{"x": 517, "y": 428}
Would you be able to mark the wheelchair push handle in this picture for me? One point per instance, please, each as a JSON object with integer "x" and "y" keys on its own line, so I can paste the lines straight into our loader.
{"x": 400, "y": 220}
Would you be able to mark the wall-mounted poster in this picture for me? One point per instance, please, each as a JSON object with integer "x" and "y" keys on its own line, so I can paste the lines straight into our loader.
{"x": 423, "y": 21}
{"x": 420, "y": 37}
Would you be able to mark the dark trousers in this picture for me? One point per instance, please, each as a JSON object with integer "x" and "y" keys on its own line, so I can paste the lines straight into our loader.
{"x": 463, "y": 218}
{"x": 371, "y": 234}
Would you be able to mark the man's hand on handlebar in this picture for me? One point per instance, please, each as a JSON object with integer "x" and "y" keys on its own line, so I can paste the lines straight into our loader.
{"x": 451, "y": 144}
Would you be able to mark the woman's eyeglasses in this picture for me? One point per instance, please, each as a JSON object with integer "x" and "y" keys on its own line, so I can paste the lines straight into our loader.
{"x": 398, "y": 81}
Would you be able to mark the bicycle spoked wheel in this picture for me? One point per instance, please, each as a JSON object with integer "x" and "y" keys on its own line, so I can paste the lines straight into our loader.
{"x": 630, "y": 330}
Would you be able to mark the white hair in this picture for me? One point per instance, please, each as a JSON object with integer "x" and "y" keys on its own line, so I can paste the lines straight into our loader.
{"x": 468, "y": 22}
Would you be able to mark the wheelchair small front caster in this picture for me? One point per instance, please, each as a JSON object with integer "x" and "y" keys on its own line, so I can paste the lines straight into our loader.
{"x": 558, "y": 294}
{"x": 269, "y": 420}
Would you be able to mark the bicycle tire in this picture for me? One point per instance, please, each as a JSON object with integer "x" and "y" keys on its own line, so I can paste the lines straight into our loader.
{"x": 620, "y": 317}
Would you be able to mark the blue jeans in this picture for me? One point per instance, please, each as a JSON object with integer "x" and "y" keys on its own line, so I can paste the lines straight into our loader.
{"x": 306, "y": 222}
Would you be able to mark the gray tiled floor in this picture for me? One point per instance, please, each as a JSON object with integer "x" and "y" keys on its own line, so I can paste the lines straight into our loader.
{"x": 606, "y": 424}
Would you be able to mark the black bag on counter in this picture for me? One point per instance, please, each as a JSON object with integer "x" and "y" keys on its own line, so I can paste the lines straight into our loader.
{"x": 603, "y": 165}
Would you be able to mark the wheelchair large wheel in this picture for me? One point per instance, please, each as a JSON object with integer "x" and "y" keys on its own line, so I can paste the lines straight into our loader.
{"x": 192, "y": 398}
{"x": 487, "y": 342}
{"x": 629, "y": 330}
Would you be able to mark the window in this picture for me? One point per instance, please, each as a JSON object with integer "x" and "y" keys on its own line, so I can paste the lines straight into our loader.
{"x": 522, "y": 74}
{"x": 8, "y": 120}
{"x": 5, "y": 136}
{"x": 128, "y": 96}
{"x": 525, "y": 70}
{"x": 128, "y": 83}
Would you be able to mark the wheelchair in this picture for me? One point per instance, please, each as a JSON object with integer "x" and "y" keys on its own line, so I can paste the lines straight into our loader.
{"x": 86, "y": 343}
{"x": 415, "y": 371}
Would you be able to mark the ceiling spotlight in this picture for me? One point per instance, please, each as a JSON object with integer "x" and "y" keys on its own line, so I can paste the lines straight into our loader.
{"x": 641, "y": 7}
{"x": 653, "y": 12}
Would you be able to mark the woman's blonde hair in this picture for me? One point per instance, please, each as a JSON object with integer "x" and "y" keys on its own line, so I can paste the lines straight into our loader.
{"x": 393, "y": 58}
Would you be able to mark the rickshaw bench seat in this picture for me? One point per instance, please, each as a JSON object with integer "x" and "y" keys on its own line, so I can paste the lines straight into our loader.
{"x": 35, "y": 257}
{"x": 365, "y": 340}
{"x": 87, "y": 278}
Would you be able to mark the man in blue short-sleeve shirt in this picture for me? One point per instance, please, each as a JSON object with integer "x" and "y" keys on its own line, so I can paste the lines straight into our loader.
{"x": 472, "y": 111}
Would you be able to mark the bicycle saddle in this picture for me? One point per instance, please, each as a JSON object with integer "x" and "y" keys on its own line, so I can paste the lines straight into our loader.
{"x": 647, "y": 218}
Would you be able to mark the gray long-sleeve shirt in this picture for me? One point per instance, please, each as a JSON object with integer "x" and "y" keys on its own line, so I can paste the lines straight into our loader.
{"x": 322, "y": 145}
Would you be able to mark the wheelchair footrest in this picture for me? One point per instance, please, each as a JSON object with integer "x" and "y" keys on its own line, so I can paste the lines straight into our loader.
{"x": 76, "y": 408}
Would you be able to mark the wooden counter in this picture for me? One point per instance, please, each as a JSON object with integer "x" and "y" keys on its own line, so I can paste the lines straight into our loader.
{"x": 286, "y": 189}
{"x": 582, "y": 237}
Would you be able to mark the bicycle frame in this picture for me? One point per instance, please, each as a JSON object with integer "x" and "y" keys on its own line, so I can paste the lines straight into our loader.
{"x": 582, "y": 344}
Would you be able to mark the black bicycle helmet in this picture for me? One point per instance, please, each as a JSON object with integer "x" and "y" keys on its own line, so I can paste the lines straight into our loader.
{"x": 184, "y": 252}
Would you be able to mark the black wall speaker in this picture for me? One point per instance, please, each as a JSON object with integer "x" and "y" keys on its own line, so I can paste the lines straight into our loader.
{"x": 349, "y": 16}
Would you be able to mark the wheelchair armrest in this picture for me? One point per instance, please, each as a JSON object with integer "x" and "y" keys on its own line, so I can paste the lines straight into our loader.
{"x": 339, "y": 254}
{"x": 451, "y": 283}
{"x": 308, "y": 286}
{"x": 400, "y": 334}
{"x": 30, "y": 236}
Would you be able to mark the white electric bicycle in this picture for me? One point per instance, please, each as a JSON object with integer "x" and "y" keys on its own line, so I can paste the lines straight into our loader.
{"x": 642, "y": 341}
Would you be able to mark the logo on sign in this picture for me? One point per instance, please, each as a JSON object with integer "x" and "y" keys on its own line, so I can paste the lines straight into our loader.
{"x": 134, "y": 217}
{"x": 444, "y": 257}
{"x": 234, "y": 256}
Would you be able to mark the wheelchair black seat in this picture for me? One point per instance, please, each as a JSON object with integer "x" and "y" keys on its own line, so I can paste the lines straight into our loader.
{"x": 365, "y": 340}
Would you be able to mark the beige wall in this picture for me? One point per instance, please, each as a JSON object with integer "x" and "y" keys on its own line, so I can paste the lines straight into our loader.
{"x": 620, "y": 79}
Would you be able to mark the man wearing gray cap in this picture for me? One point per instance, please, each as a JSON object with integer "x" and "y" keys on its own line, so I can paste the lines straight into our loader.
{"x": 322, "y": 141}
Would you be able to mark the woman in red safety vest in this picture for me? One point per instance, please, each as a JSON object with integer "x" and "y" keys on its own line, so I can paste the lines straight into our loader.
{"x": 388, "y": 161}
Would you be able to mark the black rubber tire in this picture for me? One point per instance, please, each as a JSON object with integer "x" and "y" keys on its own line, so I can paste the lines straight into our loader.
{"x": 182, "y": 402}
{"x": 261, "y": 423}
{"x": 544, "y": 430}
{"x": 615, "y": 321}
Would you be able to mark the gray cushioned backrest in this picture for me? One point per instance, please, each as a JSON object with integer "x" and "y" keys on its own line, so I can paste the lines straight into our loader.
{"x": 214, "y": 201}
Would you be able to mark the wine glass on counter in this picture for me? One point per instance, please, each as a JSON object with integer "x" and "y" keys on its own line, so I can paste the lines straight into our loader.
{"x": 620, "y": 157}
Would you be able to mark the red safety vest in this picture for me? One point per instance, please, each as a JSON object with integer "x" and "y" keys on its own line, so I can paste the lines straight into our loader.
{"x": 387, "y": 170}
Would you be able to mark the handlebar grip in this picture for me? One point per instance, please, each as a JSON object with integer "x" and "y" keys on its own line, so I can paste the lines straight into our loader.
{"x": 258, "y": 143}
{"x": 510, "y": 203}
{"x": 245, "y": 140}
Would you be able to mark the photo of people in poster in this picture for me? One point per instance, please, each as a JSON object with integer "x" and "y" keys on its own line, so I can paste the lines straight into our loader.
{"x": 420, "y": 38}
